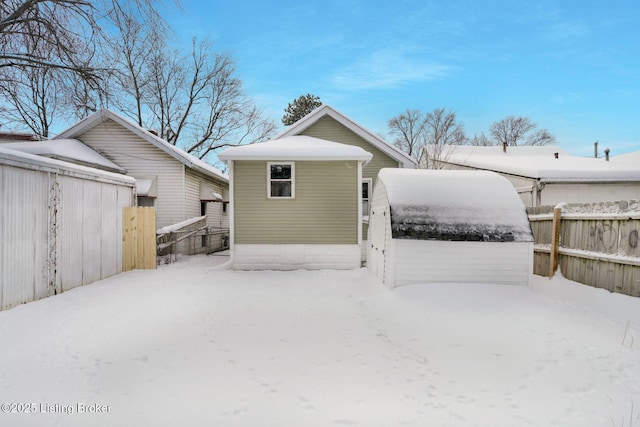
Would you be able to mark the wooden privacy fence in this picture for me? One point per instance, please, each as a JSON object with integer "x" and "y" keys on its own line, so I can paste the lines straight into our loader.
{"x": 595, "y": 244}
{"x": 139, "y": 238}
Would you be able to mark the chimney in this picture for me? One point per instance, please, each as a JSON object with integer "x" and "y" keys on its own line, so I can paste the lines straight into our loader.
{"x": 556, "y": 155}
{"x": 606, "y": 154}
{"x": 595, "y": 149}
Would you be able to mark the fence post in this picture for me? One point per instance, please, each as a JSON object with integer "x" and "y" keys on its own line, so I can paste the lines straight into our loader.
{"x": 555, "y": 241}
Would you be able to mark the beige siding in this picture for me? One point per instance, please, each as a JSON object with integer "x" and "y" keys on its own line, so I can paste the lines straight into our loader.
{"x": 141, "y": 159}
{"x": 325, "y": 210}
{"x": 329, "y": 129}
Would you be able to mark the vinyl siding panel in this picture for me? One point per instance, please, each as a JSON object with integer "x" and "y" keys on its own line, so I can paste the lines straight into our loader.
{"x": 191, "y": 195}
{"x": 215, "y": 217}
{"x": 422, "y": 261}
{"x": 141, "y": 159}
{"x": 324, "y": 210}
{"x": 23, "y": 231}
{"x": 329, "y": 129}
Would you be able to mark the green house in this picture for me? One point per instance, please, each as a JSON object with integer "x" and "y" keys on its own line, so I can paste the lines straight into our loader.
{"x": 327, "y": 123}
{"x": 296, "y": 202}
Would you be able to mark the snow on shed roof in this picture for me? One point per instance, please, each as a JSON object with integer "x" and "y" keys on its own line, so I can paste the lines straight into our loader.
{"x": 70, "y": 150}
{"x": 32, "y": 161}
{"x": 185, "y": 158}
{"x": 296, "y": 147}
{"x": 325, "y": 110}
{"x": 541, "y": 163}
{"x": 454, "y": 205}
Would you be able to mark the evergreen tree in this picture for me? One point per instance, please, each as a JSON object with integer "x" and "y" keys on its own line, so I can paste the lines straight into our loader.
{"x": 300, "y": 107}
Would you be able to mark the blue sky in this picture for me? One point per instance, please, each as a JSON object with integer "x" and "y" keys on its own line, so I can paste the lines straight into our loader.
{"x": 573, "y": 67}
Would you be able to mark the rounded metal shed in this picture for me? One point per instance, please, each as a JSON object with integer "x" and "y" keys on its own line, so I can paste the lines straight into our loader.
{"x": 434, "y": 225}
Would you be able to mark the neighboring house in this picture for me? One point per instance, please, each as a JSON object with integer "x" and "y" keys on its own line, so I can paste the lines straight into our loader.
{"x": 448, "y": 226}
{"x": 549, "y": 175}
{"x": 177, "y": 184}
{"x": 329, "y": 124}
{"x": 296, "y": 202}
{"x": 61, "y": 225}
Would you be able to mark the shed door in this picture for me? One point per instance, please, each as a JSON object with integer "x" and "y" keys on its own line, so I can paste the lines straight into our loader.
{"x": 377, "y": 223}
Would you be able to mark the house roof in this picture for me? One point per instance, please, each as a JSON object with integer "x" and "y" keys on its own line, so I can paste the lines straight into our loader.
{"x": 325, "y": 110}
{"x": 627, "y": 157}
{"x": 540, "y": 163}
{"x": 32, "y": 161}
{"x": 69, "y": 150}
{"x": 454, "y": 205}
{"x": 187, "y": 159}
{"x": 297, "y": 147}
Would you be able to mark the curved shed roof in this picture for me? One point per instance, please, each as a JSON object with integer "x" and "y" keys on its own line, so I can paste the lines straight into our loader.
{"x": 454, "y": 205}
{"x": 296, "y": 147}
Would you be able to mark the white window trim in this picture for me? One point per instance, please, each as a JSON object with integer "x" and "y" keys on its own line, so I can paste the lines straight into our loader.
{"x": 370, "y": 195}
{"x": 293, "y": 180}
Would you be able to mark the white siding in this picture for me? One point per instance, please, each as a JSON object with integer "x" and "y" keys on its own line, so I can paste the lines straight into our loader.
{"x": 60, "y": 229}
{"x": 421, "y": 261}
{"x": 294, "y": 257}
{"x": 552, "y": 194}
{"x": 379, "y": 232}
{"x": 141, "y": 159}
{"x": 23, "y": 231}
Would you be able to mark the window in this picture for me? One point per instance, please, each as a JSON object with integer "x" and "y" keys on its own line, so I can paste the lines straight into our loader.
{"x": 224, "y": 208}
{"x": 280, "y": 180}
{"x": 366, "y": 195}
{"x": 203, "y": 208}
{"x": 146, "y": 201}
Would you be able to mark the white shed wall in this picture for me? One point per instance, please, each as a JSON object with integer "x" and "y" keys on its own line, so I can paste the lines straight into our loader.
{"x": 421, "y": 261}
{"x": 379, "y": 243}
{"x": 59, "y": 228}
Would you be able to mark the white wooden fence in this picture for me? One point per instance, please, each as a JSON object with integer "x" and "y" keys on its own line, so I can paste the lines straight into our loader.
{"x": 60, "y": 226}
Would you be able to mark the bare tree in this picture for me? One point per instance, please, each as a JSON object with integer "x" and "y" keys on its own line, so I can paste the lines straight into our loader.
{"x": 442, "y": 133}
{"x": 58, "y": 29}
{"x": 409, "y": 132}
{"x": 129, "y": 52}
{"x": 52, "y": 56}
{"x": 480, "y": 140}
{"x": 198, "y": 103}
{"x": 513, "y": 131}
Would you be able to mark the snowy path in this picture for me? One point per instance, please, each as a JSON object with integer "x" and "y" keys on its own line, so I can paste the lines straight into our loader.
{"x": 192, "y": 345}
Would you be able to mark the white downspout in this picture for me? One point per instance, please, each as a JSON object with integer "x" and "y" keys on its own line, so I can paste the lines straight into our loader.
{"x": 231, "y": 213}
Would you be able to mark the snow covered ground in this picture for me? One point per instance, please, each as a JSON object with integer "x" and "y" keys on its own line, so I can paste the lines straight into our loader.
{"x": 190, "y": 344}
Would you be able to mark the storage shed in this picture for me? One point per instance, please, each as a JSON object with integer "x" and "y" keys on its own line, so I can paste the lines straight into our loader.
{"x": 448, "y": 226}
{"x": 296, "y": 203}
{"x": 60, "y": 226}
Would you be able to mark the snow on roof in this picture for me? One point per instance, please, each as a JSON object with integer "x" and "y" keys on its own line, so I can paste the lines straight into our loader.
{"x": 627, "y": 158}
{"x": 325, "y": 110}
{"x": 70, "y": 150}
{"x": 454, "y": 205}
{"x": 296, "y": 147}
{"x": 541, "y": 163}
{"x": 32, "y": 161}
{"x": 187, "y": 159}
